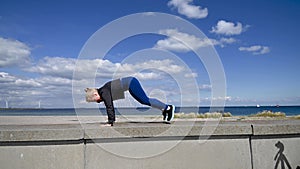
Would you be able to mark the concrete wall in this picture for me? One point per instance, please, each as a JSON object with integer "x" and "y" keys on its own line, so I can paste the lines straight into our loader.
{"x": 42, "y": 157}
{"x": 265, "y": 150}
{"x": 217, "y": 154}
{"x": 240, "y": 145}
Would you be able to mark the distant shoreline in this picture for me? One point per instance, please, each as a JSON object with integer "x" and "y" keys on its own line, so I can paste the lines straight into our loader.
{"x": 233, "y": 110}
{"x": 253, "y": 106}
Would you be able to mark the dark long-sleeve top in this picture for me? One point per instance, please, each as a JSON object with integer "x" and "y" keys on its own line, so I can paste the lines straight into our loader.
{"x": 110, "y": 91}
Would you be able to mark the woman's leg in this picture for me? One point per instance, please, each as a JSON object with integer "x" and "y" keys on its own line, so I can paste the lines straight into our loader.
{"x": 137, "y": 92}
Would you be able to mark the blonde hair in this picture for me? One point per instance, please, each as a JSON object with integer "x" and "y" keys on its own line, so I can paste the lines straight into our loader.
{"x": 90, "y": 94}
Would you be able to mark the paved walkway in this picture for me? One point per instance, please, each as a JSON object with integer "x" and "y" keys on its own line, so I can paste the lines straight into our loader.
{"x": 135, "y": 120}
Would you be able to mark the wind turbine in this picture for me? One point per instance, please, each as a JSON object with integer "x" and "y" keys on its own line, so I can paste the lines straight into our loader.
{"x": 6, "y": 103}
{"x": 39, "y": 104}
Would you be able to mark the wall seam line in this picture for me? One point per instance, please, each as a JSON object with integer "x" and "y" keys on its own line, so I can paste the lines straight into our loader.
{"x": 250, "y": 146}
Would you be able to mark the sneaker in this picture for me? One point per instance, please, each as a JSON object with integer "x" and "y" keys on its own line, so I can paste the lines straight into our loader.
{"x": 164, "y": 115}
{"x": 170, "y": 111}
{"x": 108, "y": 124}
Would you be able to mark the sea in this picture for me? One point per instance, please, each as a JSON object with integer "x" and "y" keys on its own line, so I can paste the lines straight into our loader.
{"x": 234, "y": 110}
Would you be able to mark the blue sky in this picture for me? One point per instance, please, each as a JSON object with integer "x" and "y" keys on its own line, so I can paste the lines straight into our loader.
{"x": 256, "y": 41}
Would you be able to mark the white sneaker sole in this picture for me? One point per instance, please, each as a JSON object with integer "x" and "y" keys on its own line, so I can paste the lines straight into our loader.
{"x": 173, "y": 112}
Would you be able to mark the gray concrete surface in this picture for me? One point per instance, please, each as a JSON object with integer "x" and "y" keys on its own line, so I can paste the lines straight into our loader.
{"x": 192, "y": 154}
{"x": 42, "y": 157}
{"x": 265, "y": 150}
{"x": 147, "y": 142}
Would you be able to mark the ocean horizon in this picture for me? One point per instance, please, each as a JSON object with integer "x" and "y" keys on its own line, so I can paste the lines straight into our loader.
{"x": 234, "y": 110}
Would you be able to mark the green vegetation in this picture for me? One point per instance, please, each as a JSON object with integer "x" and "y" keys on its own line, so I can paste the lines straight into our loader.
{"x": 296, "y": 117}
{"x": 268, "y": 113}
{"x": 265, "y": 113}
{"x": 201, "y": 115}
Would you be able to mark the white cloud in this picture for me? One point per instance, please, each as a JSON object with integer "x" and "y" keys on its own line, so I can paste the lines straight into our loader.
{"x": 185, "y": 7}
{"x": 228, "y": 28}
{"x": 54, "y": 86}
{"x": 6, "y": 78}
{"x": 227, "y": 40}
{"x": 189, "y": 42}
{"x": 13, "y": 52}
{"x": 264, "y": 50}
{"x": 65, "y": 67}
{"x": 26, "y": 92}
{"x": 208, "y": 100}
{"x": 147, "y": 76}
{"x": 256, "y": 49}
{"x": 54, "y": 66}
{"x": 205, "y": 87}
{"x": 58, "y": 76}
{"x": 27, "y": 83}
{"x": 55, "y": 81}
{"x": 14, "y": 83}
{"x": 191, "y": 75}
{"x": 173, "y": 42}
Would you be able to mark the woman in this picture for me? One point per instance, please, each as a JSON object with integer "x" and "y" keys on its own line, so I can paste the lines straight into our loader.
{"x": 114, "y": 90}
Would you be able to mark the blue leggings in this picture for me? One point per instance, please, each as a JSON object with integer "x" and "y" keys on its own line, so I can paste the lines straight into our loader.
{"x": 135, "y": 89}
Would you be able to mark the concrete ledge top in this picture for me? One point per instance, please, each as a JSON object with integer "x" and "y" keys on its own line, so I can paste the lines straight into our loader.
{"x": 46, "y": 128}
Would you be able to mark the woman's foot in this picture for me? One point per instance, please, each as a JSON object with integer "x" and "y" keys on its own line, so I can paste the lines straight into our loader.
{"x": 169, "y": 111}
{"x": 108, "y": 124}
